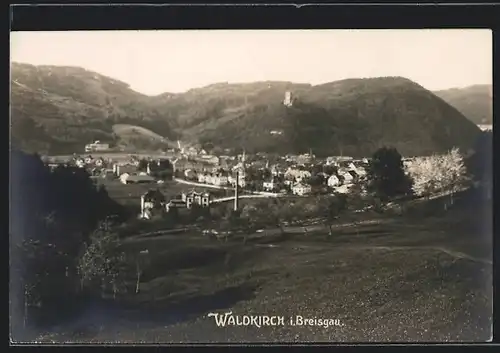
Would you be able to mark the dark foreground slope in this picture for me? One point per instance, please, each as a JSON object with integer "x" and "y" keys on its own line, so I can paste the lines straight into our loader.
{"x": 475, "y": 102}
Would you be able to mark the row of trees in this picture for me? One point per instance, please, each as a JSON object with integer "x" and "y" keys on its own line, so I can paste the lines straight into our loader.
{"x": 389, "y": 178}
{"x": 162, "y": 169}
{"x": 439, "y": 173}
{"x": 282, "y": 212}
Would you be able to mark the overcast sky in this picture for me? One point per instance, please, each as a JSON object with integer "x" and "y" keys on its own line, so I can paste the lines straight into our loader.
{"x": 153, "y": 62}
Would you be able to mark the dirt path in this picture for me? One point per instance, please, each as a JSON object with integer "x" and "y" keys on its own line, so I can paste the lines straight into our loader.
{"x": 455, "y": 254}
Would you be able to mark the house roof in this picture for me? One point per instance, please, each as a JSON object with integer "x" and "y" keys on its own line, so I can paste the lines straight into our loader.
{"x": 176, "y": 202}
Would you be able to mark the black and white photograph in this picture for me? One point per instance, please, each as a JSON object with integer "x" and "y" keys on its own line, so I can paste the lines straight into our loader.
{"x": 251, "y": 186}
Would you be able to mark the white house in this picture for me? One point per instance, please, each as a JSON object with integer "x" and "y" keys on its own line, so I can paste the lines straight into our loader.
{"x": 209, "y": 178}
{"x": 360, "y": 172}
{"x": 333, "y": 181}
{"x": 192, "y": 151}
{"x": 301, "y": 189}
{"x": 275, "y": 170}
{"x": 269, "y": 185}
{"x": 241, "y": 180}
{"x": 201, "y": 178}
{"x": 80, "y": 163}
{"x": 220, "y": 179}
{"x": 211, "y": 159}
{"x": 348, "y": 177}
{"x": 331, "y": 161}
{"x": 297, "y": 174}
{"x": 351, "y": 166}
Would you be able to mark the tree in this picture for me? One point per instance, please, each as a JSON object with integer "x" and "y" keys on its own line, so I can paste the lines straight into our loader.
{"x": 143, "y": 165}
{"x": 386, "y": 176}
{"x": 455, "y": 172}
{"x": 101, "y": 262}
{"x": 439, "y": 173}
{"x": 279, "y": 213}
{"x": 330, "y": 170}
{"x": 426, "y": 175}
{"x": 331, "y": 207}
{"x": 304, "y": 209}
{"x": 251, "y": 219}
{"x": 316, "y": 180}
{"x": 198, "y": 213}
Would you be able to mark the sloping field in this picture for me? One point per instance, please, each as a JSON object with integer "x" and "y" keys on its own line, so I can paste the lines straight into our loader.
{"x": 382, "y": 282}
{"x": 125, "y": 129}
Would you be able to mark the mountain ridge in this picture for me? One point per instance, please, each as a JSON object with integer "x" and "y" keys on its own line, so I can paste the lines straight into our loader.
{"x": 68, "y": 107}
{"x": 474, "y": 101}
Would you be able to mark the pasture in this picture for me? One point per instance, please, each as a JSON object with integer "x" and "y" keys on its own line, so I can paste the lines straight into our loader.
{"x": 402, "y": 279}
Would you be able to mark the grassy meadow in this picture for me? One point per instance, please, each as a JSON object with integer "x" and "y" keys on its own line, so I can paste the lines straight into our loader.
{"x": 397, "y": 279}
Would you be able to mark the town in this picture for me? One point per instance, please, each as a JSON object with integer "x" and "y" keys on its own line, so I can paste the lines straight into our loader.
{"x": 260, "y": 174}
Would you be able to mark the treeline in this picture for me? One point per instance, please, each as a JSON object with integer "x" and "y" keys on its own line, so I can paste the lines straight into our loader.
{"x": 52, "y": 216}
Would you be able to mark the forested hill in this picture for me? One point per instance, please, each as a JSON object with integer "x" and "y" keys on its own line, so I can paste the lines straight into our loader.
{"x": 475, "y": 102}
{"x": 353, "y": 117}
{"x": 59, "y": 109}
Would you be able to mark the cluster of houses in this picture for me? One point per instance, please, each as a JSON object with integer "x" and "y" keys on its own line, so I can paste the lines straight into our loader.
{"x": 289, "y": 177}
{"x": 126, "y": 171}
{"x": 219, "y": 176}
{"x": 154, "y": 201}
{"x": 340, "y": 179}
{"x": 296, "y": 174}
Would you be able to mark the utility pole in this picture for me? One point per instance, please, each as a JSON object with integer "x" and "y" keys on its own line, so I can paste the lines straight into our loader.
{"x": 236, "y": 191}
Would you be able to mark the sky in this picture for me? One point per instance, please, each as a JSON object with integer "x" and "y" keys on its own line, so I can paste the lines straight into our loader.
{"x": 154, "y": 62}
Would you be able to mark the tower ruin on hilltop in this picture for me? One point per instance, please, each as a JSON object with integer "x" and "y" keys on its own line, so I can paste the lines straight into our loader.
{"x": 288, "y": 101}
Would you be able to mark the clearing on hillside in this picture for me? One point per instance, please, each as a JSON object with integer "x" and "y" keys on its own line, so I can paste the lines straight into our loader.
{"x": 126, "y": 131}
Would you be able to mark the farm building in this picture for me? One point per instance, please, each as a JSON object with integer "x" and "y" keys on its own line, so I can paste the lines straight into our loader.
{"x": 199, "y": 198}
{"x": 175, "y": 204}
{"x": 136, "y": 179}
{"x": 120, "y": 169}
{"x": 301, "y": 189}
{"x": 96, "y": 146}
